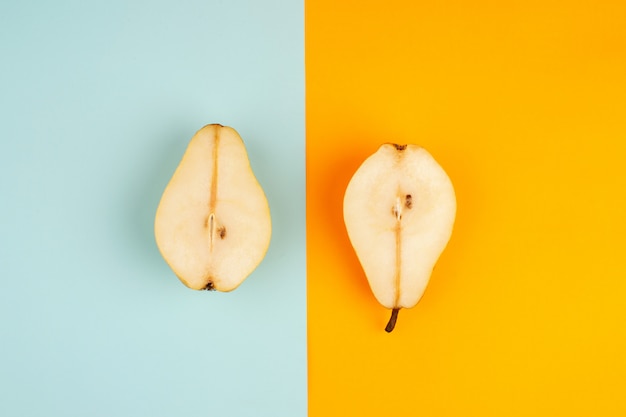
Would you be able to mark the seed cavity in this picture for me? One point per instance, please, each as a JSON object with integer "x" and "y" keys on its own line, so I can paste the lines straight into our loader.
{"x": 396, "y": 210}
{"x": 222, "y": 232}
{"x": 210, "y": 222}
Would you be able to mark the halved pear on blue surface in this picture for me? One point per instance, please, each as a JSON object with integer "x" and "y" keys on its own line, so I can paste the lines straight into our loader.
{"x": 213, "y": 225}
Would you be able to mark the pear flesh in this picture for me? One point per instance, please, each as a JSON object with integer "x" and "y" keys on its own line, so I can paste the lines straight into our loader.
{"x": 399, "y": 210}
{"x": 213, "y": 223}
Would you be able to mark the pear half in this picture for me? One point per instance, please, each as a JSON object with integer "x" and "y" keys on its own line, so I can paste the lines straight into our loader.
{"x": 213, "y": 223}
{"x": 399, "y": 210}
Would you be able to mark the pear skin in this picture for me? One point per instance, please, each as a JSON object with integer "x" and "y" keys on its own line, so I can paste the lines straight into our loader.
{"x": 213, "y": 225}
{"x": 399, "y": 210}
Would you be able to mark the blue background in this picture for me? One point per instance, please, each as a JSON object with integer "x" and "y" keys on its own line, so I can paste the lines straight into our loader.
{"x": 98, "y": 101}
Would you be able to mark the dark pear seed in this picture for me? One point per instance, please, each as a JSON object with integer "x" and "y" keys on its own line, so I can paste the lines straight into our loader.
{"x": 408, "y": 201}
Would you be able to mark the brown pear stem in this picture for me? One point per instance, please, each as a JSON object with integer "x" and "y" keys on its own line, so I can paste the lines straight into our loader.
{"x": 392, "y": 320}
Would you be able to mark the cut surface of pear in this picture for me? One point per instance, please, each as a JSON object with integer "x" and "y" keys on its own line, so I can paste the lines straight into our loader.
{"x": 212, "y": 225}
{"x": 399, "y": 210}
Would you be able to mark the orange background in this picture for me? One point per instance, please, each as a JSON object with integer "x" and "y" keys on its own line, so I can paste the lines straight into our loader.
{"x": 524, "y": 105}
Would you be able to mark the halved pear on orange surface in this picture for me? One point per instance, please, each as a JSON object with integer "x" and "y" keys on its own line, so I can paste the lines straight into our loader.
{"x": 213, "y": 224}
{"x": 399, "y": 210}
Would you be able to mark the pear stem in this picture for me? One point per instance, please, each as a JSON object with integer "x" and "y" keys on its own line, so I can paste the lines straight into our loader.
{"x": 392, "y": 320}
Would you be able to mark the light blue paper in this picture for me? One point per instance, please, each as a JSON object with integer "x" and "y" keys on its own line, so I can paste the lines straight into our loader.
{"x": 98, "y": 101}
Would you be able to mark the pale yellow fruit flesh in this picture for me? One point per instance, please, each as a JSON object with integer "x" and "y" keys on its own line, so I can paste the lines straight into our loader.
{"x": 213, "y": 223}
{"x": 399, "y": 210}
